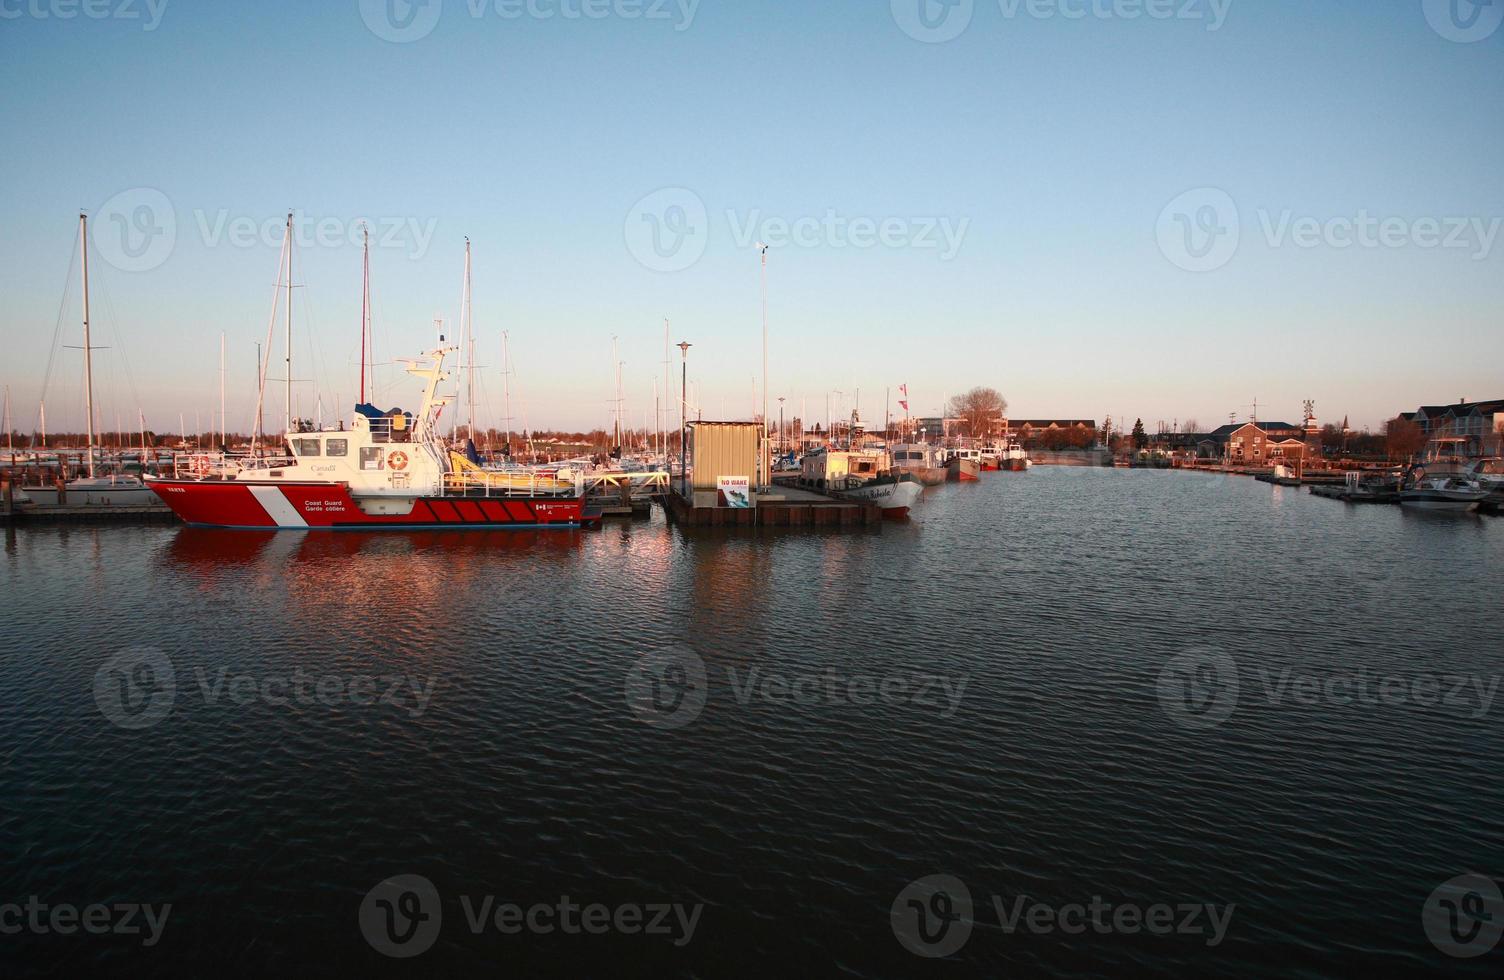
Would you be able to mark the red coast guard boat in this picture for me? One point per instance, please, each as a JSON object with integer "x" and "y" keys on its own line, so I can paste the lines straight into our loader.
{"x": 387, "y": 471}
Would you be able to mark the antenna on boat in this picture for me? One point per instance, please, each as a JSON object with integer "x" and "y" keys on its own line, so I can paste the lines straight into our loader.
{"x": 467, "y": 351}
{"x": 365, "y": 304}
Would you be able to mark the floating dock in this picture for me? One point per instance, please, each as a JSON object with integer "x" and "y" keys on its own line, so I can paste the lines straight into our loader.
{"x": 150, "y": 513}
{"x": 783, "y": 507}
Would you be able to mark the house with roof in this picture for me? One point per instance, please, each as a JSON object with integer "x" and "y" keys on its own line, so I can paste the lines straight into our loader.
{"x": 1259, "y": 443}
{"x": 1479, "y": 426}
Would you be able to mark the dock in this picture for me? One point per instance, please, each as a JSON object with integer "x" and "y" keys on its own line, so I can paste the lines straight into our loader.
{"x": 155, "y": 514}
{"x": 783, "y": 507}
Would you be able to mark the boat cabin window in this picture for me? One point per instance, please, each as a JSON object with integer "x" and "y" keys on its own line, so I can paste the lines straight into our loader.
{"x": 306, "y": 447}
{"x": 337, "y": 447}
{"x": 370, "y": 457}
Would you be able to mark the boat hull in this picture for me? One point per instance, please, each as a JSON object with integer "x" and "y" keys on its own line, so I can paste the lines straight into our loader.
{"x": 330, "y": 507}
{"x": 895, "y": 497}
{"x": 930, "y": 476}
{"x": 1432, "y": 500}
{"x": 961, "y": 470}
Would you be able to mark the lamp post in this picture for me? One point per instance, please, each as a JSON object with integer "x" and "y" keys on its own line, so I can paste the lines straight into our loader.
{"x": 684, "y": 347}
{"x": 767, "y": 477}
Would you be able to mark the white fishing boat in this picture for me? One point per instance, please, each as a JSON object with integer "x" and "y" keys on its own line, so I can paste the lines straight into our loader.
{"x": 861, "y": 474}
{"x": 919, "y": 460}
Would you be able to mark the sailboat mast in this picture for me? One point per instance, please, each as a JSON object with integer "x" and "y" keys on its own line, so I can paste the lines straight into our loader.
{"x": 470, "y": 352}
{"x": 662, "y": 422}
{"x": 287, "y": 409}
{"x": 83, "y": 244}
{"x": 616, "y": 405}
{"x": 221, "y": 388}
{"x": 10, "y": 443}
{"x": 365, "y": 307}
{"x": 506, "y": 386}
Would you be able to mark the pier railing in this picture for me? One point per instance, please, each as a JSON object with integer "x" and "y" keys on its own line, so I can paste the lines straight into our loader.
{"x": 512, "y": 483}
{"x": 203, "y": 466}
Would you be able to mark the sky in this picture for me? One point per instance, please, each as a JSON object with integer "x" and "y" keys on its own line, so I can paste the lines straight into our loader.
{"x": 1156, "y": 209}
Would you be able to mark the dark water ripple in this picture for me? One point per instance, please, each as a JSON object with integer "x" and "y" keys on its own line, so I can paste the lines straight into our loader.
{"x": 1058, "y": 597}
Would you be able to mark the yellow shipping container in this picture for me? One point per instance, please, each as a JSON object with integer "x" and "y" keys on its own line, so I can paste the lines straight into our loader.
{"x": 724, "y": 449}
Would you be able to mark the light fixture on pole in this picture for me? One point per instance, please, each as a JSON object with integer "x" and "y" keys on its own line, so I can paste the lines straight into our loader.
{"x": 684, "y": 347}
{"x": 762, "y": 249}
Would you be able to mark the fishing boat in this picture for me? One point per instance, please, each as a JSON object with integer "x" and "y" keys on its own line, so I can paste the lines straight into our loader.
{"x": 1013, "y": 458}
{"x": 962, "y": 465}
{"x": 388, "y": 470}
{"x": 861, "y": 474}
{"x": 920, "y": 461}
{"x": 895, "y": 493}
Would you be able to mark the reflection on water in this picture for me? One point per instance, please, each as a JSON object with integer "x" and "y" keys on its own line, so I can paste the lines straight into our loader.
{"x": 1058, "y": 596}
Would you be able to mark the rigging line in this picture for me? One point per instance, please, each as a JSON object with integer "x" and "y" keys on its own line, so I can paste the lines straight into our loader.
{"x": 118, "y": 337}
{"x": 266, "y": 359}
{"x": 57, "y": 332}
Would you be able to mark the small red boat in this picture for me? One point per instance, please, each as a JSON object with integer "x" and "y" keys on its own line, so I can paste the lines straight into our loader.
{"x": 389, "y": 470}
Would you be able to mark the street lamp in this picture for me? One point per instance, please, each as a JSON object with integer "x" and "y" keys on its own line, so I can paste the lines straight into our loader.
{"x": 763, "y": 252}
{"x": 684, "y": 347}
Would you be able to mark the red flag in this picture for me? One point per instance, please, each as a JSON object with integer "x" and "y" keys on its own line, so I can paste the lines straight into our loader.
{"x": 904, "y": 404}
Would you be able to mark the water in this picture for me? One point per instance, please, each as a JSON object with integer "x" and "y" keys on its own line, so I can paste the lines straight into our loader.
{"x": 1076, "y": 761}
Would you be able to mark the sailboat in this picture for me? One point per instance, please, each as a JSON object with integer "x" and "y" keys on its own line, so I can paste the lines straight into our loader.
{"x": 93, "y": 490}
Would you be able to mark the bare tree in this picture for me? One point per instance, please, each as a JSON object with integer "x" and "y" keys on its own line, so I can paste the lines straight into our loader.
{"x": 978, "y": 409}
{"x": 1403, "y": 438}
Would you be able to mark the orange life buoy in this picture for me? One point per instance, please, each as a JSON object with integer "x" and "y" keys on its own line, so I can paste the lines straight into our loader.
{"x": 199, "y": 466}
{"x": 397, "y": 460}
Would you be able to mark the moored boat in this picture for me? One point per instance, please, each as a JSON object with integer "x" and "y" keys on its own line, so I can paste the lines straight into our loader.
{"x": 386, "y": 471}
{"x": 920, "y": 461}
{"x": 895, "y": 493}
{"x": 962, "y": 465}
{"x": 1440, "y": 484}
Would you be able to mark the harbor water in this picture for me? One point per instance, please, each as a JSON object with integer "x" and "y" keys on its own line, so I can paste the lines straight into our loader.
{"x": 1274, "y": 714}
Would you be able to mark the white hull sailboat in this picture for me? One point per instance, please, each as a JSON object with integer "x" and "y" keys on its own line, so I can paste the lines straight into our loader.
{"x": 92, "y": 489}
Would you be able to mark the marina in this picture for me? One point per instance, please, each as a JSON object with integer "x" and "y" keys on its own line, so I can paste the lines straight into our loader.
{"x": 726, "y": 490}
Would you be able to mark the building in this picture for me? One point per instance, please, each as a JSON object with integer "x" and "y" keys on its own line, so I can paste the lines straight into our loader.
{"x": 1480, "y": 425}
{"x": 1029, "y": 432}
{"x": 1259, "y": 443}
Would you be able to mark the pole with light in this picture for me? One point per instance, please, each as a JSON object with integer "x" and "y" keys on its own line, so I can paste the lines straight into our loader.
{"x": 763, "y": 252}
{"x": 684, "y": 347}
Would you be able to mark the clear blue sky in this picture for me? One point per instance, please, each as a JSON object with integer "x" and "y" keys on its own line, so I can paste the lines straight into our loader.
{"x": 1058, "y": 142}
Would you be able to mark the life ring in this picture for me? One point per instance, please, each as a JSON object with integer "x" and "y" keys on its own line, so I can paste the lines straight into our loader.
{"x": 199, "y": 466}
{"x": 397, "y": 460}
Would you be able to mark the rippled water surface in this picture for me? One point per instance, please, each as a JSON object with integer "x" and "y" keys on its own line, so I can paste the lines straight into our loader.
{"x": 1064, "y": 684}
